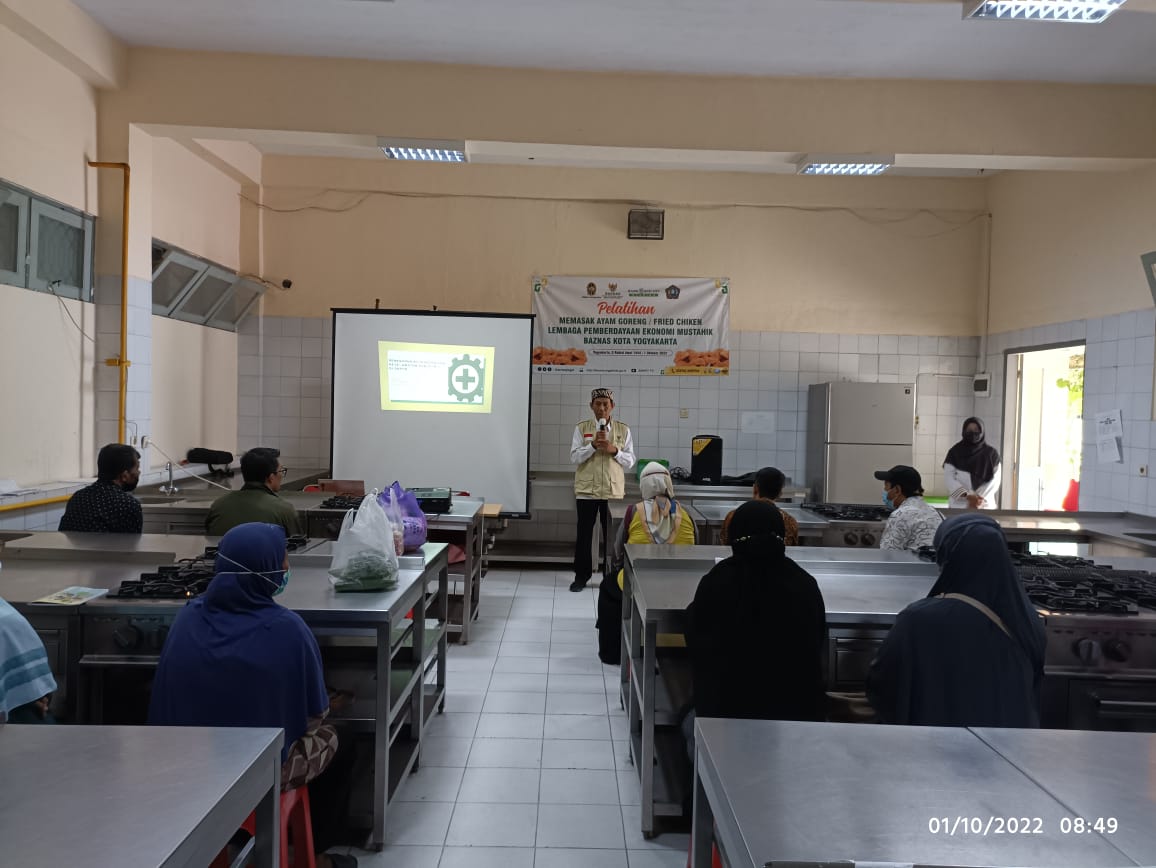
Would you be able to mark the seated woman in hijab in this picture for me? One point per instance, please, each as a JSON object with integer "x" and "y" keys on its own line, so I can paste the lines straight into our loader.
{"x": 234, "y": 657}
{"x": 972, "y": 652}
{"x": 657, "y": 519}
{"x": 26, "y": 682}
{"x": 757, "y": 629}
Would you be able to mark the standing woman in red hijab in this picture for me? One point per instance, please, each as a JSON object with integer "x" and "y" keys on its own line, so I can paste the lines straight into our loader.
{"x": 972, "y": 470}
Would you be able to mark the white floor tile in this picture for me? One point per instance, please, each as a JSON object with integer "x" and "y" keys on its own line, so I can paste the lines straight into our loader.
{"x": 514, "y": 703}
{"x": 506, "y": 753}
{"x": 461, "y": 700}
{"x": 629, "y": 787}
{"x": 439, "y": 751}
{"x": 586, "y": 665}
{"x": 585, "y": 826}
{"x": 504, "y": 785}
{"x": 409, "y": 856}
{"x": 524, "y": 649}
{"x": 566, "y": 858}
{"x": 577, "y": 754}
{"x": 562, "y": 683}
{"x": 650, "y": 859}
{"x": 418, "y": 823}
{"x": 575, "y": 703}
{"x": 492, "y": 826}
{"x": 510, "y": 726}
{"x": 578, "y": 787}
{"x": 432, "y": 784}
{"x": 487, "y": 857}
{"x": 453, "y": 724}
{"x": 533, "y": 683}
{"x": 581, "y": 726}
{"x": 522, "y": 665}
{"x": 632, "y": 823}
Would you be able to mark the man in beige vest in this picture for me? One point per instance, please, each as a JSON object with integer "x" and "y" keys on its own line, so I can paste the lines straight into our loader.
{"x": 603, "y": 450}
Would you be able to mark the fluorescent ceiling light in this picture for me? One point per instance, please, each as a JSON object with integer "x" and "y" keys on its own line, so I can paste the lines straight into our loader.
{"x": 1079, "y": 11}
{"x": 427, "y": 150}
{"x": 828, "y": 164}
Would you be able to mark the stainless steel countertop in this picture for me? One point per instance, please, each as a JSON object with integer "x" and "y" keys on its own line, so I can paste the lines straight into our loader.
{"x": 111, "y": 795}
{"x": 805, "y": 794}
{"x": 818, "y": 557}
{"x": 87, "y": 547}
{"x": 309, "y": 593}
{"x": 863, "y": 593}
{"x": 714, "y": 512}
{"x": 1094, "y": 774}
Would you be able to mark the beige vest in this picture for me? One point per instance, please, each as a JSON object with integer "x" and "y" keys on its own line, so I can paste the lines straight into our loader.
{"x": 601, "y": 477}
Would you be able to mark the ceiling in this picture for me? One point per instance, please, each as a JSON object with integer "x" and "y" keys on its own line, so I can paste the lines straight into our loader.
{"x": 825, "y": 38}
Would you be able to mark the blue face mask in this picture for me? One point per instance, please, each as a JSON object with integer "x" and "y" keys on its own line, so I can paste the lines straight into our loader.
{"x": 887, "y": 501}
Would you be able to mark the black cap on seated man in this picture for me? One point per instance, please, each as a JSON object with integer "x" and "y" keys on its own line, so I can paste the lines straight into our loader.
{"x": 913, "y": 522}
{"x": 106, "y": 506}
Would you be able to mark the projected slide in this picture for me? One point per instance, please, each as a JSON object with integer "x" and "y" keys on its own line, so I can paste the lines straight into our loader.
{"x": 436, "y": 378}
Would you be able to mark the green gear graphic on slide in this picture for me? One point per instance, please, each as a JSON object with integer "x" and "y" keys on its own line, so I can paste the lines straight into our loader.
{"x": 467, "y": 382}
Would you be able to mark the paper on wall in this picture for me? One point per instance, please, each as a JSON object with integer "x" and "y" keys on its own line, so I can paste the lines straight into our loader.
{"x": 1110, "y": 423}
{"x": 1108, "y": 450}
{"x": 754, "y": 422}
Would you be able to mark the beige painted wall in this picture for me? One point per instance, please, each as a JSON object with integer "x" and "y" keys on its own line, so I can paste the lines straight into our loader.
{"x": 1068, "y": 246}
{"x": 194, "y": 388}
{"x": 804, "y": 264}
{"x": 47, "y": 125}
{"x": 195, "y": 206}
{"x": 46, "y": 412}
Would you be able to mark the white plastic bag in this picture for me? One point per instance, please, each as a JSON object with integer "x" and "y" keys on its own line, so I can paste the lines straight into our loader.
{"x": 363, "y": 556}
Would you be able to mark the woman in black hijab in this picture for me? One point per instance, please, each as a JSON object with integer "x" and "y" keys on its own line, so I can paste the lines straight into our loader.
{"x": 972, "y": 469}
{"x": 972, "y": 652}
{"x": 757, "y": 629}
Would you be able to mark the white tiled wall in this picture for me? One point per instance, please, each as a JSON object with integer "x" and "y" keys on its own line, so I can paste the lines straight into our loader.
{"x": 286, "y": 386}
{"x": 1118, "y": 375}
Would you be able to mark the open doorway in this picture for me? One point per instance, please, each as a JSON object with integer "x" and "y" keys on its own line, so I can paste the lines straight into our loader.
{"x": 1045, "y": 405}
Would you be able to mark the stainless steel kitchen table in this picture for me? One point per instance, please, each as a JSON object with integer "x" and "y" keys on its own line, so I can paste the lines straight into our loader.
{"x": 863, "y": 590}
{"x": 791, "y": 795}
{"x": 375, "y": 621}
{"x": 150, "y": 549}
{"x": 135, "y": 796}
{"x": 714, "y": 512}
{"x": 1093, "y": 774}
{"x": 462, "y": 525}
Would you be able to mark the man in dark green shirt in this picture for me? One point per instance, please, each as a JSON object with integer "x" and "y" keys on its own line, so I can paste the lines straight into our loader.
{"x": 257, "y": 500}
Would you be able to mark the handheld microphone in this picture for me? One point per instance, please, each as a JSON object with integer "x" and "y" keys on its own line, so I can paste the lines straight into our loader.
{"x": 601, "y": 424}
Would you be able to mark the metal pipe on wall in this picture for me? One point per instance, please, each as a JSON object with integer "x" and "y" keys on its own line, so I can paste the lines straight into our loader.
{"x": 29, "y": 504}
{"x": 121, "y": 362}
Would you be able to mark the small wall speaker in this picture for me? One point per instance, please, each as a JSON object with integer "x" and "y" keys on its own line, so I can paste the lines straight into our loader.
{"x": 645, "y": 224}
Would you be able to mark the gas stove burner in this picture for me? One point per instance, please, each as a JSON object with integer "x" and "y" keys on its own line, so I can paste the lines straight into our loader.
{"x": 850, "y": 512}
{"x": 180, "y": 581}
{"x": 341, "y": 501}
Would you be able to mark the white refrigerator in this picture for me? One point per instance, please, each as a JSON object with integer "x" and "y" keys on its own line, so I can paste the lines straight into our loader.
{"x": 854, "y": 429}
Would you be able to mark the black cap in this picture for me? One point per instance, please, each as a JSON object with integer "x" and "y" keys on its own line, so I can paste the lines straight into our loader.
{"x": 907, "y": 478}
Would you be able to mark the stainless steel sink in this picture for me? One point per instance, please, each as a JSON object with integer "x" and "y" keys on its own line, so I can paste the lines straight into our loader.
{"x": 159, "y": 498}
{"x": 1141, "y": 534}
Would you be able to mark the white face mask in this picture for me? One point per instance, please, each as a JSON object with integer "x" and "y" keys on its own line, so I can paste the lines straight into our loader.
{"x": 278, "y": 585}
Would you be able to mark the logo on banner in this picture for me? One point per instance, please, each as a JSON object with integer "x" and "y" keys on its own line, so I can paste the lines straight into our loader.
{"x": 673, "y": 292}
{"x": 591, "y": 288}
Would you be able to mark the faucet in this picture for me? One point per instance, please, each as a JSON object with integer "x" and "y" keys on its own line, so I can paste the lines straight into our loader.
{"x": 170, "y": 488}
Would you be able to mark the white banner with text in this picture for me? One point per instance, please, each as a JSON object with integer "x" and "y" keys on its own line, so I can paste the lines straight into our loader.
{"x": 632, "y": 325}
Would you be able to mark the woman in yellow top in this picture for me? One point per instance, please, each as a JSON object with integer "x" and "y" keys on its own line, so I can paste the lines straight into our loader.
{"x": 658, "y": 518}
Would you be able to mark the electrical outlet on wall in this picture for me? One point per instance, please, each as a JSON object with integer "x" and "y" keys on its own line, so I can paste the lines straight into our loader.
{"x": 144, "y": 442}
{"x": 683, "y": 413}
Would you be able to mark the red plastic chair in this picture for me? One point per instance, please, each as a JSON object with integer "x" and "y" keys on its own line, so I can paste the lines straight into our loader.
{"x": 294, "y": 821}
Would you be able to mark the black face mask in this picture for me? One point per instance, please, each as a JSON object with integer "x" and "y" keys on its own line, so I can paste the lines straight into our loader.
{"x": 129, "y": 485}
{"x": 972, "y": 437}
